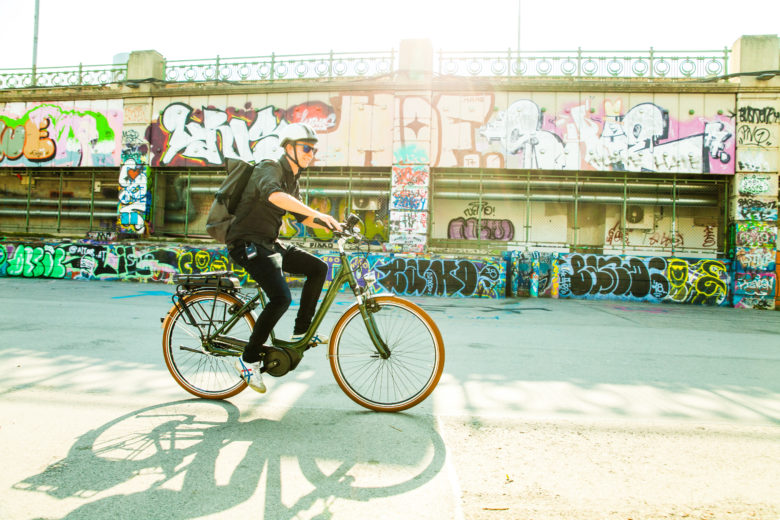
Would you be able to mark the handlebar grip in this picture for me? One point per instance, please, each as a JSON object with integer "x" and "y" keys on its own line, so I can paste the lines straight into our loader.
{"x": 322, "y": 223}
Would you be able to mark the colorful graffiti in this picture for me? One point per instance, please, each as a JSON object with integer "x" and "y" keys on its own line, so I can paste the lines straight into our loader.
{"x": 755, "y": 208}
{"x": 112, "y": 262}
{"x": 766, "y": 303}
{"x": 653, "y": 279}
{"x": 374, "y": 221}
{"x": 414, "y": 199}
{"x": 185, "y": 136}
{"x": 484, "y": 229}
{"x": 607, "y": 137}
{"x": 527, "y": 269}
{"x": 582, "y": 132}
{"x": 408, "y": 222}
{"x": 410, "y": 175}
{"x": 756, "y": 234}
{"x": 761, "y": 258}
{"x": 570, "y": 275}
{"x": 753, "y": 184}
{"x": 135, "y": 200}
{"x": 51, "y": 135}
{"x": 476, "y": 224}
{"x": 409, "y": 205}
{"x": 755, "y": 284}
{"x": 35, "y": 262}
{"x": 435, "y": 277}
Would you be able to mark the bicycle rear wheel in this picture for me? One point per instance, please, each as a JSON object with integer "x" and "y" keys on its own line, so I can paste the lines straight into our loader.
{"x": 202, "y": 373}
{"x": 404, "y": 379}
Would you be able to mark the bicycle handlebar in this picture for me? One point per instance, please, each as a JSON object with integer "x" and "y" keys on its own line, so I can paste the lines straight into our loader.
{"x": 348, "y": 228}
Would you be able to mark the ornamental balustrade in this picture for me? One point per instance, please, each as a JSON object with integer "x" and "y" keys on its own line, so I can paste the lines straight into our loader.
{"x": 282, "y": 67}
{"x": 67, "y": 76}
{"x": 333, "y": 65}
{"x": 586, "y": 64}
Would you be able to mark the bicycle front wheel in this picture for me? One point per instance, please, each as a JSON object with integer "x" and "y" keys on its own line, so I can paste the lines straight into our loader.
{"x": 407, "y": 376}
{"x": 200, "y": 372}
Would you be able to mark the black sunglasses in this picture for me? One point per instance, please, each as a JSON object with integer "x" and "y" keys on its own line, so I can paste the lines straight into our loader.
{"x": 308, "y": 149}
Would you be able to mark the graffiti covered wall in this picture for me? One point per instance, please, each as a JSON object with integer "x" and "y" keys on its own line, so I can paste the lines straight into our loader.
{"x": 650, "y": 279}
{"x": 533, "y": 273}
{"x": 691, "y": 133}
{"x": 413, "y": 276}
{"x": 754, "y": 207}
{"x": 84, "y": 133}
{"x": 614, "y": 132}
{"x": 184, "y": 135}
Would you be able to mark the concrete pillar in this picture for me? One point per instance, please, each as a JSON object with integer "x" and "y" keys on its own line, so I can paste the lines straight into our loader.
{"x": 415, "y": 61}
{"x": 410, "y": 184}
{"x": 412, "y": 145}
{"x": 755, "y": 201}
{"x": 138, "y": 187}
{"x": 145, "y": 65}
{"x": 756, "y": 54}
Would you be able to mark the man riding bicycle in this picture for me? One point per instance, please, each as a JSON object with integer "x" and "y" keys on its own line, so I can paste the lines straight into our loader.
{"x": 253, "y": 244}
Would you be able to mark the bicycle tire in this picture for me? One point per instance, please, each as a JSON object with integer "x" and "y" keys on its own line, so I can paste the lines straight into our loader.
{"x": 401, "y": 381}
{"x": 200, "y": 373}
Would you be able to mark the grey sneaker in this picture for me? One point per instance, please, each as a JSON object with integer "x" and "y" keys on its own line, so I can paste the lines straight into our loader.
{"x": 317, "y": 339}
{"x": 250, "y": 372}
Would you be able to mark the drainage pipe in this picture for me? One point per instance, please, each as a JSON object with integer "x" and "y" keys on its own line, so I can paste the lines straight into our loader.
{"x": 56, "y": 202}
{"x": 605, "y": 199}
{"x": 54, "y": 213}
{"x": 570, "y": 184}
{"x": 183, "y": 201}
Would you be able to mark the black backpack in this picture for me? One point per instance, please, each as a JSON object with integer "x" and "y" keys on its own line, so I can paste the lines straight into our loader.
{"x": 223, "y": 210}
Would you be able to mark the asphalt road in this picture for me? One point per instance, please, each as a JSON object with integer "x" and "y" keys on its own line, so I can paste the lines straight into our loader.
{"x": 547, "y": 409}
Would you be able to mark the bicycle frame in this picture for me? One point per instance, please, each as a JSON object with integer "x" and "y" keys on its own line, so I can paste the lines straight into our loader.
{"x": 343, "y": 275}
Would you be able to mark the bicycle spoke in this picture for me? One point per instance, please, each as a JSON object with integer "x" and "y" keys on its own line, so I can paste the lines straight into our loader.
{"x": 196, "y": 370}
{"x": 406, "y": 376}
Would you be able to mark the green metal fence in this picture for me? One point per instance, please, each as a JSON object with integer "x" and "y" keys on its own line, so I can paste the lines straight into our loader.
{"x": 58, "y": 201}
{"x": 586, "y": 64}
{"x": 470, "y": 210}
{"x": 333, "y": 65}
{"x": 597, "y": 212}
{"x": 329, "y": 65}
{"x": 67, "y": 76}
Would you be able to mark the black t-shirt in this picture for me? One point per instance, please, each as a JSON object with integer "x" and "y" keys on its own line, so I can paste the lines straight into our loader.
{"x": 257, "y": 219}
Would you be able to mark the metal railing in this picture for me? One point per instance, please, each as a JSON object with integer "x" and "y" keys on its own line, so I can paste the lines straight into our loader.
{"x": 67, "y": 76}
{"x": 330, "y": 65}
{"x": 586, "y": 64}
{"x": 333, "y": 65}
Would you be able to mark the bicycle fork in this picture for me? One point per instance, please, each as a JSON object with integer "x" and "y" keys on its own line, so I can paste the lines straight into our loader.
{"x": 367, "y": 312}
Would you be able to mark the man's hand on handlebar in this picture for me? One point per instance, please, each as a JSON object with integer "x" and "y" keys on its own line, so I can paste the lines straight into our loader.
{"x": 328, "y": 222}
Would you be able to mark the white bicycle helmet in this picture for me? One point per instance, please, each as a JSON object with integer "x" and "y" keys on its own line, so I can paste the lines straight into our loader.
{"x": 297, "y": 132}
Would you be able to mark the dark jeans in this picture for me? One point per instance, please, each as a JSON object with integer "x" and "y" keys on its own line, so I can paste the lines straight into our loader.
{"x": 267, "y": 270}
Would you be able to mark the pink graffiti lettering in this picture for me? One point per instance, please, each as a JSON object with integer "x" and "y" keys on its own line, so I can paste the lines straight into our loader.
{"x": 491, "y": 229}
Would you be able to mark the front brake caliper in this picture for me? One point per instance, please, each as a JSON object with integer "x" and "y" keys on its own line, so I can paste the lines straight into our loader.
{"x": 372, "y": 305}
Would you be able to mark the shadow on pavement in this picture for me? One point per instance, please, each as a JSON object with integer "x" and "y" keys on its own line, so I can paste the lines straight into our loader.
{"x": 190, "y": 458}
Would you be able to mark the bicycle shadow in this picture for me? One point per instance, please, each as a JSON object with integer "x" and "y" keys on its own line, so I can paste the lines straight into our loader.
{"x": 191, "y": 458}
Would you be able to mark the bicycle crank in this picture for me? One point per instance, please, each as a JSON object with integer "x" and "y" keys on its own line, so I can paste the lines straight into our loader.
{"x": 278, "y": 361}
